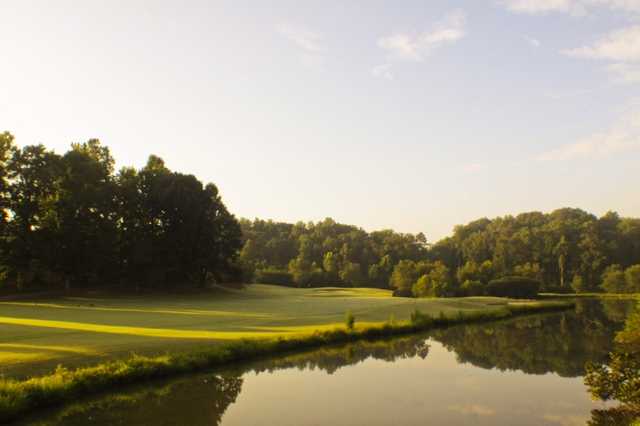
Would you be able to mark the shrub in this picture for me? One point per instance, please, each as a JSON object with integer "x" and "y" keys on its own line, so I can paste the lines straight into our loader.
{"x": 515, "y": 287}
{"x": 613, "y": 280}
{"x": 472, "y": 288}
{"x": 578, "y": 285}
{"x": 402, "y": 292}
{"x": 632, "y": 278}
{"x": 349, "y": 320}
{"x": 559, "y": 289}
{"x": 318, "y": 278}
{"x": 422, "y": 287}
{"x": 392, "y": 320}
{"x": 274, "y": 276}
{"x": 420, "y": 320}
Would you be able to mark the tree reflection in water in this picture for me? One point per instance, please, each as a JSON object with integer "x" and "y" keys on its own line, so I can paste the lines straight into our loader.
{"x": 204, "y": 398}
{"x": 558, "y": 343}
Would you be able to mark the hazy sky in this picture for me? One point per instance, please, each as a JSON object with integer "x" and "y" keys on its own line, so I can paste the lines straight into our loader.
{"x": 411, "y": 115}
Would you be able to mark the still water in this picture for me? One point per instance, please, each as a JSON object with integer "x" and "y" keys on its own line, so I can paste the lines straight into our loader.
{"x": 524, "y": 371}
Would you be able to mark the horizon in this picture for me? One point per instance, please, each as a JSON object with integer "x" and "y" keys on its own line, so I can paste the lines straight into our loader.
{"x": 414, "y": 118}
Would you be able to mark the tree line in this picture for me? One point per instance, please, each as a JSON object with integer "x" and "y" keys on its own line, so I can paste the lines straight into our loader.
{"x": 324, "y": 253}
{"x": 563, "y": 251}
{"x": 71, "y": 221}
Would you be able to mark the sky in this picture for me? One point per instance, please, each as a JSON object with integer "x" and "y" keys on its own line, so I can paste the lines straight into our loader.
{"x": 409, "y": 115}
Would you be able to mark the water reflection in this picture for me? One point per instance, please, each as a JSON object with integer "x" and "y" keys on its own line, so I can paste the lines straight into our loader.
{"x": 200, "y": 400}
{"x": 560, "y": 343}
{"x": 482, "y": 374}
{"x": 203, "y": 399}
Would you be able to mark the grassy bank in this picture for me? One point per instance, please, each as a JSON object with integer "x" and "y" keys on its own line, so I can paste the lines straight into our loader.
{"x": 18, "y": 397}
{"x": 590, "y": 295}
{"x": 38, "y": 334}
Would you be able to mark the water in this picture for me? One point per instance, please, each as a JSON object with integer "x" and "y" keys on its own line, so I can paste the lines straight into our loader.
{"x": 524, "y": 371}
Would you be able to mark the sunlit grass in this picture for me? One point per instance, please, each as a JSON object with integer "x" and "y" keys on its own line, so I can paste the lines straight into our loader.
{"x": 145, "y": 311}
{"x": 52, "y": 348}
{"x": 147, "y": 332}
{"x": 114, "y": 327}
{"x": 348, "y": 292}
{"x": 19, "y": 353}
{"x": 18, "y": 357}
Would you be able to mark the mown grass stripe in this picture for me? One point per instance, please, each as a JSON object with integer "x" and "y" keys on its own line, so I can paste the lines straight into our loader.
{"x": 135, "y": 310}
{"x": 138, "y": 331}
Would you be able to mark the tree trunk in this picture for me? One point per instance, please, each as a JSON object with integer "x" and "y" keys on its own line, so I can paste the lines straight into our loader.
{"x": 561, "y": 267}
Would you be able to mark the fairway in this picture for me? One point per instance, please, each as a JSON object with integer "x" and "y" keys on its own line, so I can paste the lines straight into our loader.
{"x": 36, "y": 335}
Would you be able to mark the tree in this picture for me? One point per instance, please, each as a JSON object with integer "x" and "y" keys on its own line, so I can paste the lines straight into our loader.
{"x": 551, "y": 248}
{"x": 423, "y": 287}
{"x": 31, "y": 245}
{"x": 470, "y": 271}
{"x": 472, "y": 288}
{"x": 351, "y": 273}
{"x": 578, "y": 284}
{"x": 434, "y": 283}
{"x": 562, "y": 250}
{"x": 632, "y": 278}
{"x": 70, "y": 221}
{"x": 403, "y": 277}
{"x": 335, "y": 247}
{"x": 86, "y": 212}
{"x": 619, "y": 378}
{"x": 301, "y": 270}
{"x": 613, "y": 280}
{"x": 529, "y": 270}
{"x": 330, "y": 265}
{"x": 486, "y": 271}
{"x": 7, "y": 149}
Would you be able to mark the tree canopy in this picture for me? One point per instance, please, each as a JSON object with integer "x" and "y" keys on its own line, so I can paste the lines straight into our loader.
{"x": 71, "y": 221}
{"x": 325, "y": 253}
{"x": 565, "y": 250}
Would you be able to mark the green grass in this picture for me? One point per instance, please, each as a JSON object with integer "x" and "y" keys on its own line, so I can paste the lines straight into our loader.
{"x": 18, "y": 397}
{"x": 37, "y": 335}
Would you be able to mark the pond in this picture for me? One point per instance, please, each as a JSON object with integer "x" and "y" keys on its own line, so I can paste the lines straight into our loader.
{"x": 524, "y": 371}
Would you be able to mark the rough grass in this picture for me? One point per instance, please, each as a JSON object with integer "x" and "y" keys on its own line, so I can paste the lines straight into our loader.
{"x": 37, "y": 335}
{"x": 18, "y": 397}
{"x": 592, "y": 295}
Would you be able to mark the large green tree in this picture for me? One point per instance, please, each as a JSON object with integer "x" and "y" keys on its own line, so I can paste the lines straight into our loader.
{"x": 69, "y": 221}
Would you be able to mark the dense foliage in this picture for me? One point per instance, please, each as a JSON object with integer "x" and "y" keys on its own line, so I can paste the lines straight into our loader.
{"x": 619, "y": 377}
{"x": 515, "y": 287}
{"x": 71, "y": 221}
{"x": 564, "y": 251}
{"x": 324, "y": 253}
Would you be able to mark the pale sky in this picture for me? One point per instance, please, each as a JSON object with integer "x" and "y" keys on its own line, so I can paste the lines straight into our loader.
{"x": 410, "y": 115}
